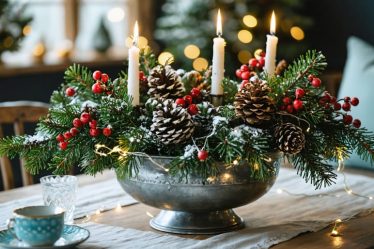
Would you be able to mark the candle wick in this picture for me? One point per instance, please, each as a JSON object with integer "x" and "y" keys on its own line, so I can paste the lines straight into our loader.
{"x": 272, "y": 33}
{"x": 219, "y": 34}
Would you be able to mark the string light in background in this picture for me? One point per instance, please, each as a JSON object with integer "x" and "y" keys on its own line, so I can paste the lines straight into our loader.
{"x": 244, "y": 56}
{"x": 245, "y": 36}
{"x": 297, "y": 33}
{"x": 191, "y": 51}
{"x": 116, "y": 14}
{"x": 200, "y": 64}
{"x": 165, "y": 57}
{"x": 250, "y": 21}
{"x": 26, "y": 30}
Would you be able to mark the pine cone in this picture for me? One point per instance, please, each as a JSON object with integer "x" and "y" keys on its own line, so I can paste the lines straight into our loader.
{"x": 289, "y": 138}
{"x": 171, "y": 123}
{"x": 164, "y": 82}
{"x": 281, "y": 66}
{"x": 253, "y": 104}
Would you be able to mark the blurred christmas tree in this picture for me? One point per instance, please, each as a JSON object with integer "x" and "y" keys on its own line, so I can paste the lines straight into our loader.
{"x": 187, "y": 27}
{"x": 13, "y": 26}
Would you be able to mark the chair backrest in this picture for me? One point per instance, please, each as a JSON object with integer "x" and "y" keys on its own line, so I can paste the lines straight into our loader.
{"x": 18, "y": 113}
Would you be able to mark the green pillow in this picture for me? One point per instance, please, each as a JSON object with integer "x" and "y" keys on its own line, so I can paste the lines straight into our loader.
{"x": 358, "y": 81}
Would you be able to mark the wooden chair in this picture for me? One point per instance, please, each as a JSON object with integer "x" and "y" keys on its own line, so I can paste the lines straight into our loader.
{"x": 18, "y": 113}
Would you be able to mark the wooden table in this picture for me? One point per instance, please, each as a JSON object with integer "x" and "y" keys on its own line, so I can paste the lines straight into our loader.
{"x": 357, "y": 233}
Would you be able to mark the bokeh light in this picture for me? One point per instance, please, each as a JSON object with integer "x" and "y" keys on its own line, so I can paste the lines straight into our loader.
{"x": 26, "y": 30}
{"x": 191, "y": 51}
{"x": 200, "y": 64}
{"x": 297, "y": 33}
{"x": 244, "y": 56}
{"x": 250, "y": 21}
{"x": 116, "y": 14}
{"x": 245, "y": 36}
{"x": 165, "y": 58}
{"x": 143, "y": 42}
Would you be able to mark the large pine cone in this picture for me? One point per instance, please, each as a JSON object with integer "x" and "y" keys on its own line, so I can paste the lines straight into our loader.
{"x": 172, "y": 124}
{"x": 164, "y": 82}
{"x": 253, "y": 104}
{"x": 289, "y": 138}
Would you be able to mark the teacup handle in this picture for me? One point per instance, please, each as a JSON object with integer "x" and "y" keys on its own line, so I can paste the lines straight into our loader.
{"x": 10, "y": 225}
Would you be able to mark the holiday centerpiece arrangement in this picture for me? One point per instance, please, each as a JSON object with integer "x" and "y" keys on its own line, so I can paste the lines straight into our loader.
{"x": 196, "y": 144}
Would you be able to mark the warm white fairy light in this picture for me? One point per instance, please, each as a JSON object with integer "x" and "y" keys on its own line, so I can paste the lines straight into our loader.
{"x": 98, "y": 212}
{"x": 149, "y": 214}
{"x": 334, "y": 231}
{"x": 279, "y": 191}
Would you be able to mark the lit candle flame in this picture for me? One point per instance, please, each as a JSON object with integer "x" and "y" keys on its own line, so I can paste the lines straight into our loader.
{"x": 272, "y": 24}
{"x": 219, "y": 23}
{"x": 136, "y": 34}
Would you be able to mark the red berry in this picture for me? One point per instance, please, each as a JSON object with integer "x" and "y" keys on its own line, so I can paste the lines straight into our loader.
{"x": 346, "y": 106}
{"x": 193, "y": 109}
{"x": 188, "y": 99}
{"x": 74, "y": 131}
{"x": 347, "y": 119}
{"x": 244, "y": 68}
{"x": 107, "y": 131}
{"x": 310, "y": 77}
{"x": 355, "y": 101}
{"x": 356, "y": 123}
{"x": 282, "y": 108}
{"x": 180, "y": 101}
{"x": 261, "y": 62}
{"x": 85, "y": 117}
{"x": 97, "y": 88}
{"x": 337, "y": 106}
{"x": 94, "y": 132}
{"x": 289, "y": 109}
{"x": 93, "y": 124}
{"x": 104, "y": 78}
{"x": 238, "y": 73}
{"x": 96, "y": 75}
{"x": 202, "y": 155}
{"x": 327, "y": 97}
{"x": 347, "y": 99}
{"x": 316, "y": 82}
{"x": 63, "y": 145}
{"x": 333, "y": 100}
{"x": 60, "y": 138}
{"x": 244, "y": 82}
{"x": 77, "y": 123}
{"x": 262, "y": 54}
{"x": 287, "y": 100}
{"x": 70, "y": 91}
{"x": 299, "y": 93}
{"x": 68, "y": 135}
{"x": 253, "y": 62}
{"x": 195, "y": 92}
{"x": 245, "y": 75}
{"x": 141, "y": 74}
{"x": 297, "y": 104}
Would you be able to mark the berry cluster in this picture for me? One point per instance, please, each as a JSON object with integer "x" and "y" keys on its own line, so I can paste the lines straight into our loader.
{"x": 189, "y": 101}
{"x": 314, "y": 81}
{"x": 101, "y": 83}
{"x": 295, "y": 104}
{"x": 247, "y": 71}
{"x": 78, "y": 123}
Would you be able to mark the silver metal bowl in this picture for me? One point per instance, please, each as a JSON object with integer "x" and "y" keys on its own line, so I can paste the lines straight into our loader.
{"x": 195, "y": 205}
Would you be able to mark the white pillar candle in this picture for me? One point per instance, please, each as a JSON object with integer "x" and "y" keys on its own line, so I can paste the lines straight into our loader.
{"x": 133, "y": 70}
{"x": 271, "y": 48}
{"x": 218, "y": 67}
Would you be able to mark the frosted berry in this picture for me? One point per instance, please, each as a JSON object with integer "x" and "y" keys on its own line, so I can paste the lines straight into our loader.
{"x": 94, "y": 132}
{"x": 299, "y": 93}
{"x": 356, "y": 123}
{"x": 347, "y": 119}
{"x": 104, "y": 78}
{"x": 355, "y": 101}
{"x": 253, "y": 62}
{"x": 63, "y": 145}
{"x": 97, "y": 88}
{"x": 347, "y": 99}
{"x": 238, "y": 73}
{"x": 85, "y": 117}
{"x": 195, "y": 92}
{"x": 93, "y": 124}
{"x": 180, "y": 101}
{"x": 188, "y": 99}
{"x": 337, "y": 106}
{"x": 60, "y": 138}
{"x": 107, "y": 131}
{"x": 287, "y": 100}
{"x": 297, "y": 104}
{"x": 74, "y": 131}
{"x": 245, "y": 75}
{"x": 193, "y": 109}
{"x": 202, "y": 155}
{"x": 346, "y": 106}
{"x": 68, "y": 135}
{"x": 316, "y": 82}
{"x": 77, "y": 123}
{"x": 96, "y": 75}
{"x": 289, "y": 109}
{"x": 244, "y": 68}
{"x": 70, "y": 91}
{"x": 310, "y": 77}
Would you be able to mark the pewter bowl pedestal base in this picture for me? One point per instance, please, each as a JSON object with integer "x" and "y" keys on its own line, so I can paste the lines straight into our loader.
{"x": 197, "y": 223}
